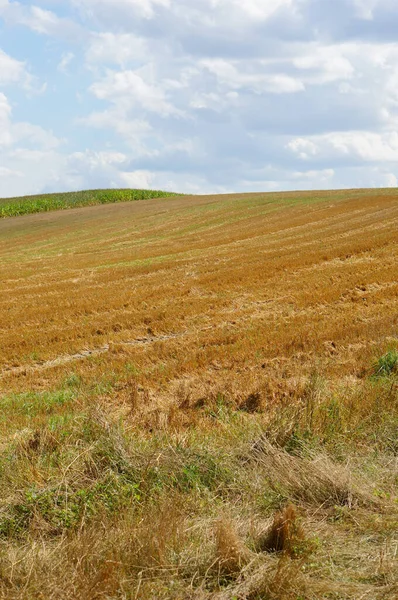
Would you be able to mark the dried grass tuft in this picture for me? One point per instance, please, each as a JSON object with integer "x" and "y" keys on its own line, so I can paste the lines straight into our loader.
{"x": 285, "y": 534}
{"x": 313, "y": 479}
{"x": 231, "y": 552}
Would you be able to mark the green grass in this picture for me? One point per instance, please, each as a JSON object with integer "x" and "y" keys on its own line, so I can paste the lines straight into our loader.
{"x": 387, "y": 364}
{"x": 13, "y": 207}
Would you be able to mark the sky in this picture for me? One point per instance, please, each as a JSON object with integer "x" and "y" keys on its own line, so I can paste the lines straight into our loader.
{"x": 198, "y": 96}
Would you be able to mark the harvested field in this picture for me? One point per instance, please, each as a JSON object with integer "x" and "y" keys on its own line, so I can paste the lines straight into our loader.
{"x": 185, "y": 374}
{"x": 238, "y": 281}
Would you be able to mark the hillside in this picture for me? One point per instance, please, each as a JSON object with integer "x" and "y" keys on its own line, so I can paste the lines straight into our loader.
{"x": 199, "y": 399}
{"x": 24, "y": 205}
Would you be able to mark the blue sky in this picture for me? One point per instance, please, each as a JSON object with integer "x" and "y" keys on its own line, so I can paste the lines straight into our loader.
{"x": 198, "y": 95}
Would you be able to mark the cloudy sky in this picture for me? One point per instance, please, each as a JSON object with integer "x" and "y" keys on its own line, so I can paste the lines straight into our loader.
{"x": 198, "y": 95}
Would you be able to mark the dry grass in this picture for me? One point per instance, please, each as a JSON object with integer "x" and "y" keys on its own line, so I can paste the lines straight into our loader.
{"x": 199, "y": 399}
{"x": 231, "y": 553}
{"x": 285, "y": 534}
{"x": 314, "y": 479}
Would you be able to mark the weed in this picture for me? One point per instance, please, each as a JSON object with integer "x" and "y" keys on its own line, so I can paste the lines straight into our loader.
{"x": 73, "y": 381}
{"x": 31, "y": 404}
{"x": 56, "y": 509}
{"x": 386, "y": 365}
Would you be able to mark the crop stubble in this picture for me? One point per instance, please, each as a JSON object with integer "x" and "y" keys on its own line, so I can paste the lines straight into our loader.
{"x": 238, "y": 282}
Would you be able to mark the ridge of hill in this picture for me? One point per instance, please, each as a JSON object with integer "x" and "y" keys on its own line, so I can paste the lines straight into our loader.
{"x": 23, "y": 205}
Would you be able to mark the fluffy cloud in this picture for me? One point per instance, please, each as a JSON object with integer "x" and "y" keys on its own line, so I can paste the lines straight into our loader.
{"x": 104, "y": 10}
{"x": 324, "y": 64}
{"x": 14, "y": 133}
{"x": 111, "y": 10}
{"x": 28, "y": 153}
{"x": 11, "y": 70}
{"x": 66, "y": 59}
{"x": 357, "y": 146}
{"x": 257, "y": 81}
{"x": 91, "y": 167}
{"x": 134, "y": 131}
{"x": 117, "y": 48}
{"x": 257, "y": 9}
{"x": 128, "y": 89}
{"x": 137, "y": 179}
{"x": 39, "y": 20}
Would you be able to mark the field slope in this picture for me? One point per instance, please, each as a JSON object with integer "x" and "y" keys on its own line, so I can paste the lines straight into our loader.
{"x": 199, "y": 399}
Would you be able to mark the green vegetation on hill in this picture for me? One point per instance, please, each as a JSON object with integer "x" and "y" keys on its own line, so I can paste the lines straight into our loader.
{"x": 13, "y": 207}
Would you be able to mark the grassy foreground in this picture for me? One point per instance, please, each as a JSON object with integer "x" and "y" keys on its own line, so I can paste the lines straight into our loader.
{"x": 226, "y": 498}
{"x": 13, "y": 207}
{"x": 199, "y": 400}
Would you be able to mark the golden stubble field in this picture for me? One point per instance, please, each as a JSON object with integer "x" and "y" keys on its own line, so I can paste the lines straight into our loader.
{"x": 190, "y": 408}
{"x": 195, "y": 287}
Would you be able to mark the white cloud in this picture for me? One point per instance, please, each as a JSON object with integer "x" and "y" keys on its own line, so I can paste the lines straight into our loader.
{"x": 23, "y": 176}
{"x": 320, "y": 176}
{"x": 65, "y": 61}
{"x": 137, "y": 179}
{"x": 303, "y": 148}
{"x": 5, "y": 172}
{"x": 259, "y": 9}
{"x": 12, "y": 70}
{"x": 252, "y": 9}
{"x": 364, "y": 145}
{"x": 129, "y": 128}
{"x": 282, "y": 84}
{"x": 251, "y": 77}
{"x": 5, "y": 110}
{"x": 43, "y": 21}
{"x": 210, "y": 12}
{"x": 117, "y": 48}
{"x": 326, "y": 64}
{"x": 5, "y": 114}
{"x": 213, "y": 101}
{"x": 98, "y": 159}
{"x": 90, "y": 169}
{"x": 28, "y": 153}
{"x": 229, "y": 15}
{"x": 35, "y": 135}
{"x": 39, "y": 20}
{"x": 272, "y": 178}
{"x": 128, "y": 89}
{"x": 106, "y": 8}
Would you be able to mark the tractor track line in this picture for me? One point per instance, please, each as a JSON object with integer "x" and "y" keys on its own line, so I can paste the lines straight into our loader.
{"x": 68, "y": 358}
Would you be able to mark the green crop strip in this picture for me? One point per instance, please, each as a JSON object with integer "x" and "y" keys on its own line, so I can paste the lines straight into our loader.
{"x": 13, "y": 207}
